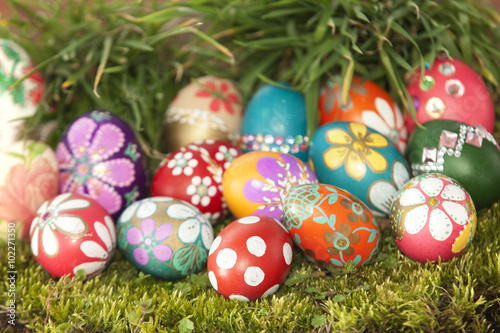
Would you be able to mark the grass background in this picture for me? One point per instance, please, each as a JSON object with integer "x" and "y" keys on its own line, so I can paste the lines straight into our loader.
{"x": 132, "y": 57}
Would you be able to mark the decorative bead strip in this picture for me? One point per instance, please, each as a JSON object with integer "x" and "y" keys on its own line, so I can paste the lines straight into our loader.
{"x": 267, "y": 142}
{"x": 451, "y": 144}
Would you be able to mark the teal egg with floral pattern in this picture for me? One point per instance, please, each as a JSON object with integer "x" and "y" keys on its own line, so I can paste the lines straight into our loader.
{"x": 165, "y": 237}
{"x": 360, "y": 160}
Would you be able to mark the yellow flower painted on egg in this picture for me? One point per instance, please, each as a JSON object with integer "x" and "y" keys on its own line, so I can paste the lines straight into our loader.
{"x": 354, "y": 150}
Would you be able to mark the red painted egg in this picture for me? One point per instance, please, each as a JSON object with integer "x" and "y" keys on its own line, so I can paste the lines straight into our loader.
{"x": 250, "y": 258}
{"x": 331, "y": 226}
{"x": 368, "y": 104}
{"x": 451, "y": 90}
{"x": 72, "y": 232}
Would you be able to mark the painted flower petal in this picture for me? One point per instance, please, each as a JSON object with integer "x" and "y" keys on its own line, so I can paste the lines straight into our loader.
{"x": 141, "y": 256}
{"x": 128, "y": 212}
{"x": 355, "y": 167}
{"x": 71, "y": 225}
{"x": 375, "y": 121}
{"x": 456, "y": 211}
{"x": 416, "y": 219}
{"x": 453, "y": 192}
{"x": 180, "y": 211}
{"x": 64, "y": 158}
{"x": 104, "y": 234}
{"x": 338, "y": 136}
{"x": 68, "y": 183}
{"x": 162, "y": 252}
{"x": 50, "y": 243}
{"x": 255, "y": 191}
{"x": 431, "y": 186}
{"x": 111, "y": 227}
{"x": 134, "y": 236}
{"x": 381, "y": 194}
{"x": 385, "y": 111}
{"x": 146, "y": 209}
{"x": 375, "y": 160}
{"x": 270, "y": 168}
{"x": 335, "y": 157}
{"x": 148, "y": 226}
{"x": 60, "y": 198}
{"x": 358, "y": 130}
{"x": 74, "y": 204}
{"x": 272, "y": 210}
{"x": 34, "y": 242}
{"x": 440, "y": 225}
{"x": 189, "y": 231}
{"x": 108, "y": 140}
{"x": 79, "y": 135}
{"x": 399, "y": 119}
{"x": 411, "y": 197}
{"x": 400, "y": 174}
{"x": 93, "y": 250}
{"x": 105, "y": 195}
{"x": 119, "y": 172}
{"x": 462, "y": 240}
{"x": 292, "y": 165}
{"x": 90, "y": 268}
{"x": 376, "y": 140}
{"x": 163, "y": 232}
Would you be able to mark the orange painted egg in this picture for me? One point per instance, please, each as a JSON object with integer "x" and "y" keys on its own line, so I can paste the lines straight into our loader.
{"x": 330, "y": 225}
{"x": 368, "y": 104}
{"x": 256, "y": 182}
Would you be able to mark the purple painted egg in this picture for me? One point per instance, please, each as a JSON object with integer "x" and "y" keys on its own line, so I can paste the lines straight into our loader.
{"x": 100, "y": 155}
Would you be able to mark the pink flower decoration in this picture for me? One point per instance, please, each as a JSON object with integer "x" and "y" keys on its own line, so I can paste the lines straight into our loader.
{"x": 145, "y": 238}
{"x": 215, "y": 104}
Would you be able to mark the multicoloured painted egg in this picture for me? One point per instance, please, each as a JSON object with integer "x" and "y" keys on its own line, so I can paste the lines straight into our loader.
{"x": 29, "y": 176}
{"x": 22, "y": 101}
{"x": 433, "y": 218}
{"x": 275, "y": 120}
{"x": 207, "y": 108}
{"x": 451, "y": 90}
{"x": 73, "y": 232}
{"x": 368, "y": 104}
{"x": 250, "y": 258}
{"x": 360, "y": 160}
{"x": 257, "y": 182}
{"x": 100, "y": 155}
{"x": 468, "y": 154}
{"x": 194, "y": 174}
{"x": 331, "y": 226}
{"x": 165, "y": 237}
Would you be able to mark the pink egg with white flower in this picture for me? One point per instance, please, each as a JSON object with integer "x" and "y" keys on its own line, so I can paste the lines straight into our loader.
{"x": 72, "y": 232}
{"x": 433, "y": 218}
{"x": 194, "y": 174}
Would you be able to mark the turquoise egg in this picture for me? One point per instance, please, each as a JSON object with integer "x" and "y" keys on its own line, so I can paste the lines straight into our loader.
{"x": 275, "y": 120}
{"x": 361, "y": 161}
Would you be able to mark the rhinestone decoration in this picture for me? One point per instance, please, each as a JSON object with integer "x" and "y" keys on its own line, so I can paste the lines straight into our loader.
{"x": 429, "y": 154}
{"x": 427, "y": 83}
{"x": 289, "y": 144}
{"x": 454, "y": 88}
{"x": 446, "y": 69}
{"x": 474, "y": 139}
{"x": 448, "y": 139}
{"x": 435, "y": 107}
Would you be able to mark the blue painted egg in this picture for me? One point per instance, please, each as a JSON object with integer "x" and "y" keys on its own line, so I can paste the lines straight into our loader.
{"x": 360, "y": 160}
{"x": 275, "y": 120}
{"x": 165, "y": 237}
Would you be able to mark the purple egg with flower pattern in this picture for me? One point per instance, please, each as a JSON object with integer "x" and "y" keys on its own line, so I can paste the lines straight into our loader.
{"x": 99, "y": 155}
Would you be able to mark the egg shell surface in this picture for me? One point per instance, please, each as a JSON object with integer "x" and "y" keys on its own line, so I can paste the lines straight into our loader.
{"x": 359, "y": 160}
{"x": 331, "y": 226}
{"x": 368, "y": 104}
{"x": 207, "y": 108}
{"x": 451, "y": 90}
{"x": 29, "y": 175}
{"x": 433, "y": 218}
{"x": 257, "y": 182}
{"x": 275, "y": 120}
{"x": 165, "y": 237}
{"x": 468, "y": 154}
{"x": 99, "y": 155}
{"x": 22, "y": 101}
{"x": 250, "y": 258}
{"x": 72, "y": 232}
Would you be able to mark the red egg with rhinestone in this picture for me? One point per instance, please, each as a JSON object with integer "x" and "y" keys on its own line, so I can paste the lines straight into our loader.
{"x": 72, "y": 232}
{"x": 250, "y": 258}
{"x": 450, "y": 90}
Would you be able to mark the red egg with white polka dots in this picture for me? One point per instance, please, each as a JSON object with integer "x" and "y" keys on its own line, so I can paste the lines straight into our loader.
{"x": 450, "y": 90}
{"x": 250, "y": 258}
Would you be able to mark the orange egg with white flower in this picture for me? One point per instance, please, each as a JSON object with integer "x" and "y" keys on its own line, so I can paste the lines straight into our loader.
{"x": 209, "y": 107}
{"x": 366, "y": 103}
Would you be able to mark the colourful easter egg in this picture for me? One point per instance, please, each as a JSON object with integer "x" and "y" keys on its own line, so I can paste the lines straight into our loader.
{"x": 250, "y": 258}
{"x": 256, "y": 182}
{"x": 99, "y": 155}
{"x": 275, "y": 120}
{"x": 331, "y": 226}
{"x": 360, "y": 160}
{"x": 450, "y": 90}
{"x": 367, "y": 103}
{"x": 165, "y": 237}
{"x": 207, "y": 108}
{"x": 468, "y": 154}
{"x": 72, "y": 232}
{"x": 433, "y": 218}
